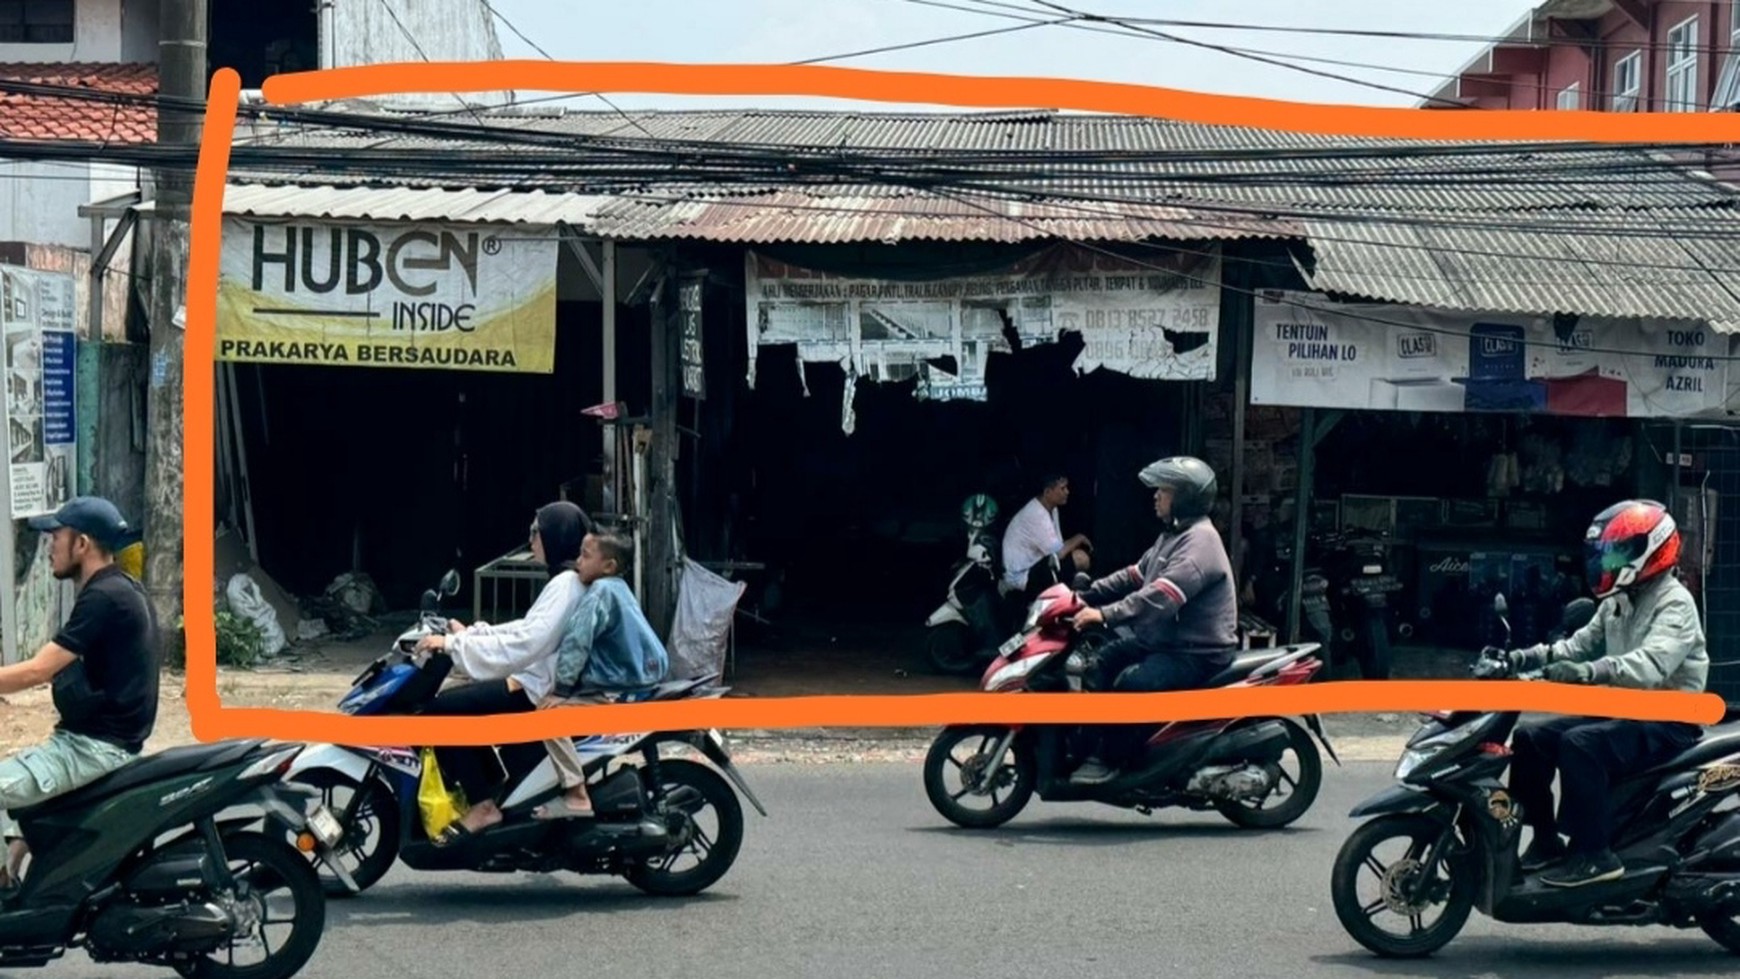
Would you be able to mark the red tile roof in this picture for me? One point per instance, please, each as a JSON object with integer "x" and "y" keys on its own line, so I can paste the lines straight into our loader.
{"x": 36, "y": 117}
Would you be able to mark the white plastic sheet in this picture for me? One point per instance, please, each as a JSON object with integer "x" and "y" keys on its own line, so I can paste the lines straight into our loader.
{"x": 701, "y": 629}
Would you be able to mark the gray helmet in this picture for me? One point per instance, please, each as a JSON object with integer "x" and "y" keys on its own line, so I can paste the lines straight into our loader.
{"x": 1192, "y": 483}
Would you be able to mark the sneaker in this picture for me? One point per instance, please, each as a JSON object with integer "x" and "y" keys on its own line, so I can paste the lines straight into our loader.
{"x": 1545, "y": 850}
{"x": 1092, "y": 772}
{"x": 1586, "y": 870}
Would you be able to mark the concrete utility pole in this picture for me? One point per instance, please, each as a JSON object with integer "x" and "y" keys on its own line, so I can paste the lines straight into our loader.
{"x": 181, "y": 73}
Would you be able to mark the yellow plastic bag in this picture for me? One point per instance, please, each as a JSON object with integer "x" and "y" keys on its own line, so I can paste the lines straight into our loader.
{"x": 439, "y": 804}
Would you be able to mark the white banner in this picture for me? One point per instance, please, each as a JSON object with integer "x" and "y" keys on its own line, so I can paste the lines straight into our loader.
{"x": 1310, "y": 352}
{"x": 1157, "y": 318}
{"x": 458, "y": 297}
{"x": 37, "y": 315}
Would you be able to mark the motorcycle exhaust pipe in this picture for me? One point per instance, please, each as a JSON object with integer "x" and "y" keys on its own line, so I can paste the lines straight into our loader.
{"x": 1260, "y": 744}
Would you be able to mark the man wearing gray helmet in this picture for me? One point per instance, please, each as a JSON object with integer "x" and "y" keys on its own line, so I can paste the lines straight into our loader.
{"x": 1176, "y": 609}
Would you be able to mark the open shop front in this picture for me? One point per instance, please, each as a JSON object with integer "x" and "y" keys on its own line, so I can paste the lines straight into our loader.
{"x": 876, "y": 388}
{"x": 1445, "y": 457}
{"x": 397, "y": 398}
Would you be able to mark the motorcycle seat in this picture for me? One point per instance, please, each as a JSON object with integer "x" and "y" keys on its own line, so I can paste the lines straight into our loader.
{"x": 1716, "y": 742}
{"x": 148, "y": 768}
{"x": 1245, "y": 664}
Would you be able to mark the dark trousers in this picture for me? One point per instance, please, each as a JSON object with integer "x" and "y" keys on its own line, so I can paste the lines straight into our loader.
{"x": 1590, "y": 754}
{"x": 1156, "y": 670}
{"x": 476, "y": 769}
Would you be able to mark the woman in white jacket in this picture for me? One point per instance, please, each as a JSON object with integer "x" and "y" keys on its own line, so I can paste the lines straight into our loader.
{"x": 512, "y": 666}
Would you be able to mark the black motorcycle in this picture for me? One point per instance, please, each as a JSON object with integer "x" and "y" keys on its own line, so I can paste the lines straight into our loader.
{"x": 1462, "y": 830}
{"x": 144, "y": 866}
{"x": 1343, "y": 598}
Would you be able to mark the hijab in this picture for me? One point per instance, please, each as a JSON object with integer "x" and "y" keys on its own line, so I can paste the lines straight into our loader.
{"x": 562, "y": 527}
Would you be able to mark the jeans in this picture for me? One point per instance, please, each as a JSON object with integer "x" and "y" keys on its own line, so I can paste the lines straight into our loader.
{"x": 1156, "y": 670}
{"x": 1590, "y": 754}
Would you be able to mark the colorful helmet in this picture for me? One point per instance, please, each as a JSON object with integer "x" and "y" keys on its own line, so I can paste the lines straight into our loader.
{"x": 979, "y": 511}
{"x": 1629, "y": 544}
{"x": 1192, "y": 483}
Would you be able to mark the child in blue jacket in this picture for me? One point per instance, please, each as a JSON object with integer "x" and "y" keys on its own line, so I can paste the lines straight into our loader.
{"x": 608, "y": 646}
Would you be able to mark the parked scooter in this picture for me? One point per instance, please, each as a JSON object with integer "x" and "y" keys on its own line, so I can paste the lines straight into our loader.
{"x": 648, "y": 810}
{"x": 1463, "y": 830}
{"x": 1232, "y": 766}
{"x": 140, "y": 866}
{"x": 1344, "y": 598}
{"x": 962, "y": 634}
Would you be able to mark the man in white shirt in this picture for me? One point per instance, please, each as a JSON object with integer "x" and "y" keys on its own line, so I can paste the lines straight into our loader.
{"x": 1033, "y": 546}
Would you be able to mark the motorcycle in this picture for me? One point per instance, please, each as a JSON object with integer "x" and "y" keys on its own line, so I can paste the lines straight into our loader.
{"x": 140, "y": 866}
{"x": 1232, "y": 766}
{"x": 1343, "y": 598}
{"x": 962, "y": 633}
{"x": 1681, "y": 850}
{"x": 647, "y": 809}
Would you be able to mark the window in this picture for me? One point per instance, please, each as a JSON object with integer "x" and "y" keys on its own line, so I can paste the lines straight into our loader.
{"x": 1727, "y": 91}
{"x": 1682, "y": 67}
{"x": 1627, "y": 82}
{"x": 36, "y": 21}
{"x": 1571, "y": 96}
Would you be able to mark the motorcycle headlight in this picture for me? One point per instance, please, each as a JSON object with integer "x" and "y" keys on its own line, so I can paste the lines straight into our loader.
{"x": 1416, "y": 755}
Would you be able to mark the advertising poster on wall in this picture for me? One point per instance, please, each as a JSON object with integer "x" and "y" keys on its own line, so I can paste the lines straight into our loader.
{"x": 37, "y": 326}
{"x": 1310, "y": 352}
{"x": 452, "y": 297}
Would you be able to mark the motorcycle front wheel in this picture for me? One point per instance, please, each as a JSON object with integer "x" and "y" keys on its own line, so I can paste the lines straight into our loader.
{"x": 949, "y": 649}
{"x": 371, "y": 836}
{"x": 1006, "y": 783}
{"x": 1394, "y": 882}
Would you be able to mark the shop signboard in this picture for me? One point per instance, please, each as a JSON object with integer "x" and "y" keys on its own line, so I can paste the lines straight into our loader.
{"x": 1310, "y": 352}
{"x": 413, "y": 295}
{"x": 1154, "y": 318}
{"x": 37, "y": 322}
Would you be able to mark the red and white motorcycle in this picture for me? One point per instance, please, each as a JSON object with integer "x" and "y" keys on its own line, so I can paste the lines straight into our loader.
{"x": 1233, "y": 766}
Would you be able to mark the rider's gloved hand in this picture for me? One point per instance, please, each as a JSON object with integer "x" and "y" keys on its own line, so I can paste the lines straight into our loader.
{"x": 1570, "y": 671}
{"x": 1525, "y": 660}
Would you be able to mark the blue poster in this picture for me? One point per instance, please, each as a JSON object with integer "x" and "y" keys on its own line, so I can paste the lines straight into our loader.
{"x": 59, "y": 416}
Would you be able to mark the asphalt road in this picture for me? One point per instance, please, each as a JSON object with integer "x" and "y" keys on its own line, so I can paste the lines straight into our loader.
{"x": 853, "y": 874}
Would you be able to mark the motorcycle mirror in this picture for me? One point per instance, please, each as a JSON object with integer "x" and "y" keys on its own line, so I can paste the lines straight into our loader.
{"x": 431, "y": 601}
{"x": 450, "y": 583}
{"x": 1577, "y": 614}
{"x": 1499, "y": 605}
{"x": 1081, "y": 581}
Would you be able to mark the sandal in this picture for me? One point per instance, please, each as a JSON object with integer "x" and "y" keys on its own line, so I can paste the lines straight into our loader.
{"x": 454, "y": 832}
{"x": 558, "y": 808}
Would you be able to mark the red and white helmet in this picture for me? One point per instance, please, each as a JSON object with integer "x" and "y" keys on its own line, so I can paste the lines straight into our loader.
{"x": 1629, "y": 544}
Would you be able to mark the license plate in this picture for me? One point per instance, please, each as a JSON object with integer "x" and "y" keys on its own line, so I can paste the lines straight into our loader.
{"x": 325, "y": 826}
{"x": 1015, "y": 642}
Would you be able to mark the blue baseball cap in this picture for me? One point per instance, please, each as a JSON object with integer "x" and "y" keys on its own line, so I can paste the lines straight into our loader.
{"x": 92, "y": 516}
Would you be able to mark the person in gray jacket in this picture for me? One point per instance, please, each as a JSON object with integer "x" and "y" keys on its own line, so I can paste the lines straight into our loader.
{"x": 1646, "y": 635}
{"x": 1177, "y": 607}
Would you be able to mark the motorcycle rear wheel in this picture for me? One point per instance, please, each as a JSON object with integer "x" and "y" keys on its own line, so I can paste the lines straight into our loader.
{"x": 941, "y": 758}
{"x": 689, "y": 788}
{"x": 949, "y": 649}
{"x": 1356, "y": 917}
{"x": 284, "y": 867}
{"x": 1304, "y": 790}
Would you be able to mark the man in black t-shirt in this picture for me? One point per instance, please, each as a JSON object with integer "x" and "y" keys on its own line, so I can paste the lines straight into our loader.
{"x": 103, "y": 664}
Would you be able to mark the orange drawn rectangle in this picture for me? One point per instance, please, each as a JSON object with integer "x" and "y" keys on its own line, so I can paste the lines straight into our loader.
{"x": 211, "y": 720}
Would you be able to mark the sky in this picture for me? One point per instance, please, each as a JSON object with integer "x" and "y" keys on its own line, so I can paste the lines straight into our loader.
{"x": 784, "y": 31}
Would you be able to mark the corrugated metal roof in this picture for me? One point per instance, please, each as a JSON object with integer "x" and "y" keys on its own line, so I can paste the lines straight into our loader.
{"x": 410, "y": 204}
{"x": 1578, "y": 232}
